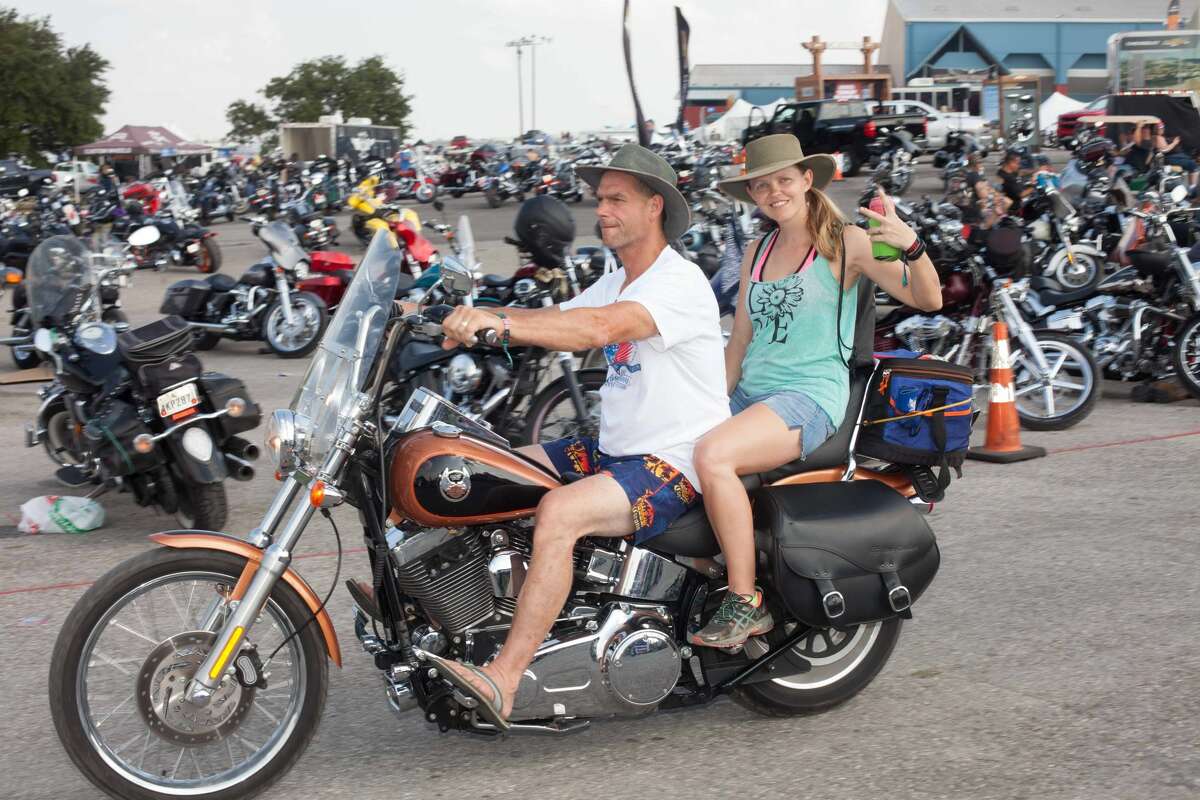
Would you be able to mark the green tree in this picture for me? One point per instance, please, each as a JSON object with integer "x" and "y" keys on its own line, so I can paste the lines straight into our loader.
{"x": 324, "y": 86}
{"x": 248, "y": 121}
{"x": 51, "y": 96}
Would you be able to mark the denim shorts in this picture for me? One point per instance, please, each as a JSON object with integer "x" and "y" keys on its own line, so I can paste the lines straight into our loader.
{"x": 796, "y": 409}
{"x": 658, "y": 493}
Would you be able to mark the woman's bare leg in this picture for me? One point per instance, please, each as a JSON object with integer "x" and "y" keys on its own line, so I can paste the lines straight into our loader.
{"x": 755, "y": 440}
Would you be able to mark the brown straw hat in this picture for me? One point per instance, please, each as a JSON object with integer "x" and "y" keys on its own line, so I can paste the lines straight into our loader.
{"x": 657, "y": 173}
{"x": 772, "y": 153}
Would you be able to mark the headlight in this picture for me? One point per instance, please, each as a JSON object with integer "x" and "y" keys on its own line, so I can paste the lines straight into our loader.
{"x": 301, "y": 270}
{"x": 286, "y": 433}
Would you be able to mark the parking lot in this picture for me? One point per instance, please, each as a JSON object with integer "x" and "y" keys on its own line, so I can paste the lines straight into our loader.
{"x": 1054, "y": 656}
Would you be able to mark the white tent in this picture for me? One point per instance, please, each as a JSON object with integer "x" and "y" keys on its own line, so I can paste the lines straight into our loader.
{"x": 1052, "y": 106}
{"x": 733, "y": 122}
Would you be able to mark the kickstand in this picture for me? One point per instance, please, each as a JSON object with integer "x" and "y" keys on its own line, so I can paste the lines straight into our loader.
{"x": 99, "y": 490}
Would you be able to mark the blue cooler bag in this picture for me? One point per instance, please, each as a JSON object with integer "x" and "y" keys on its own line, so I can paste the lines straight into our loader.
{"x": 919, "y": 413}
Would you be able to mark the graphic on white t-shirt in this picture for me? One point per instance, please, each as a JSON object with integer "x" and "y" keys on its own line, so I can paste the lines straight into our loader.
{"x": 623, "y": 361}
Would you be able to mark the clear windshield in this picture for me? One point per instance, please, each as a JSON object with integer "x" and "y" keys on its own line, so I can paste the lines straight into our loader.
{"x": 281, "y": 240}
{"x": 343, "y": 360}
{"x": 58, "y": 279}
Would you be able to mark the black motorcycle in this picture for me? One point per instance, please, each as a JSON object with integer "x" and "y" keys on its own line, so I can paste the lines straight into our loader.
{"x": 315, "y": 230}
{"x": 181, "y": 241}
{"x": 263, "y": 305}
{"x": 136, "y": 410}
{"x": 894, "y": 157}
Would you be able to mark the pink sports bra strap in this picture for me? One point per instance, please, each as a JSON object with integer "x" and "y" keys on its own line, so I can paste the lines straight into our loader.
{"x": 763, "y": 254}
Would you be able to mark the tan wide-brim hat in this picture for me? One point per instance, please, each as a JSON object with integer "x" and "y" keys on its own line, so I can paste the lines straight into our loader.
{"x": 657, "y": 173}
{"x": 772, "y": 153}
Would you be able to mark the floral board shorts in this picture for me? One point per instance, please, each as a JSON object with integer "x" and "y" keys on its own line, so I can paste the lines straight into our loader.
{"x": 658, "y": 493}
{"x": 796, "y": 409}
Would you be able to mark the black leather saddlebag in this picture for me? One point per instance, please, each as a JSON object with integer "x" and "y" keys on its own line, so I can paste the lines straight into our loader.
{"x": 219, "y": 388}
{"x": 110, "y": 434}
{"x": 844, "y": 554}
{"x": 155, "y": 342}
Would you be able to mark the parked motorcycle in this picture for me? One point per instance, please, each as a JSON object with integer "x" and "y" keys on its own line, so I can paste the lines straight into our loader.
{"x": 265, "y": 304}
{"x": 135, "y": 410}
{"x": 181, "y": 241}
{"x": 235, "y": 661}
{"x": 894, "y": 156}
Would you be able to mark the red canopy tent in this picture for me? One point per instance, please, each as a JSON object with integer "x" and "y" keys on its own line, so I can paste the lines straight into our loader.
{"x": 142, "y": 142}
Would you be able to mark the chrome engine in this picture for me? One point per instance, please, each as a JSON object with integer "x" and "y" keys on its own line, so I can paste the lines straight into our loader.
{"x": 618, "y": 658}
{"x": 937, "y": 335}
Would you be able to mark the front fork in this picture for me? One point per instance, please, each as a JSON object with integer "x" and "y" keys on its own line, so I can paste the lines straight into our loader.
{"x": 277, "y": 557}
{"x": 1024, "y": 332}
{"x": 285, "y": 298}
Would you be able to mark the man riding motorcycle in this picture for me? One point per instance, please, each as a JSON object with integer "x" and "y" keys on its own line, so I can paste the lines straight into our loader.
{"x": 658, "y": 323}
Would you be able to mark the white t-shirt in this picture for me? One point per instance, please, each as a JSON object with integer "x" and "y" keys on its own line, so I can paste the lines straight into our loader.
{"x": 665, "y": 392}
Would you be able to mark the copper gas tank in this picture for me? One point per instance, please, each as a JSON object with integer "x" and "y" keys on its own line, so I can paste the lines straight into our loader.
{"x": 441, "y": 481}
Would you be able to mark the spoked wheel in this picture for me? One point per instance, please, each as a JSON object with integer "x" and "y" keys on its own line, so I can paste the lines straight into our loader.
{"x": 300, "y": 336}
{"x": 1065, "y": 394}
{"x": 1187, "y": 355}
{"x": 843, "y": 663}
{"x": 130, "y": 646}
{"x": 553, "y": 416}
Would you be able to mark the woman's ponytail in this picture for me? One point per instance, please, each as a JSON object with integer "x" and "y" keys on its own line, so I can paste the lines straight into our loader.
{"x": 825, "y": 223}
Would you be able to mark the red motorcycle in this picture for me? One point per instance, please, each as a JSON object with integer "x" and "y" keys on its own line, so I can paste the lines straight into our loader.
{"x": 146, "y": 194}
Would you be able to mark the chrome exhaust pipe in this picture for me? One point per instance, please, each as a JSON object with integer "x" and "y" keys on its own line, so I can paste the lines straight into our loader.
{"x": 212, "y": 326}
{"x": 240, "y": 469}
{"x": 236, "y": 445}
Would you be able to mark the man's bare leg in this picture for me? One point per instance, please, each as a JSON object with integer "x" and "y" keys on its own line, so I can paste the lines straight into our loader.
{"x": 594, "y": 506}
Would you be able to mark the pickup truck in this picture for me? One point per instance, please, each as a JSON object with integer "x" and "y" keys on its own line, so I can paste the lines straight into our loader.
{"x": 941, "y": 123}
{"x": 836, "y": 126}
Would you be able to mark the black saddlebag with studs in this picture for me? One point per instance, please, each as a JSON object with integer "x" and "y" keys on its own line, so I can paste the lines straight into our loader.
{"x": 845, "y": 553}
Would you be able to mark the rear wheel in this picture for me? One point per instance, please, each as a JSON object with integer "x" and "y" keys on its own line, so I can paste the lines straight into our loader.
{"x": 843, "y": 663}
{"x": 208, "y": 257}
{"x": 126, "y": 653}
{"x": 201, "y": 506}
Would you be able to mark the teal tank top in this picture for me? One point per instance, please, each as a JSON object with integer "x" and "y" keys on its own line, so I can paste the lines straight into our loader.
{"x": 795, "y": 343}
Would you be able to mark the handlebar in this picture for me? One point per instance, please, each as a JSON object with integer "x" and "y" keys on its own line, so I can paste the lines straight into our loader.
{"x": 427, "y": 327}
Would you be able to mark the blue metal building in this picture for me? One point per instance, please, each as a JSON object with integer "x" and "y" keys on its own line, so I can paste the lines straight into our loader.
{"x": 1064, "y": 44}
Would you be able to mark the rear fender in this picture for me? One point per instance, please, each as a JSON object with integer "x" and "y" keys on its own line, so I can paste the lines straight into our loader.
{"x": 211, "y": 471}
{"x": 208, "y": 540}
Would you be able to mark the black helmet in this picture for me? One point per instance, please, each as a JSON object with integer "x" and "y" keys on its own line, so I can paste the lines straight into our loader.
{"x": 134, "y": 208}
{"x": 545, "y": 227}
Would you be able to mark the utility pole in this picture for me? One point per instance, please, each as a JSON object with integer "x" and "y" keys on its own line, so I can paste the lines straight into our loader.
{"x": 531, "y": 42}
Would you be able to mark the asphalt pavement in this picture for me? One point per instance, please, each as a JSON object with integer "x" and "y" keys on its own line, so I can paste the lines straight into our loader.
{"x": 1053, "y": 657}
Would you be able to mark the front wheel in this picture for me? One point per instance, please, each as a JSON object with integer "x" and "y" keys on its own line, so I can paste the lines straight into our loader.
{"x": 128, "y": 649}
{"x": 1077, "y": 270}
{"x": 1065, "y": 394}
{"x": 425, "y": 193}
{"x": 301, "y": 336}
{"x": 552, "y": 414}
{"x": 1187, "y": 355}
{"x": 843, "y": 663}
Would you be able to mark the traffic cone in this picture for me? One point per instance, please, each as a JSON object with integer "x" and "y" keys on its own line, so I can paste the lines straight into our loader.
{"x": 1003, "y": 444}
{"x": 837, "y": 170}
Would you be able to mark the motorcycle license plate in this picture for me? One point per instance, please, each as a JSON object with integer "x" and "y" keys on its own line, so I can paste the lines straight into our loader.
{"x": 194, "y": 247}
{"x": 178, "y": 400}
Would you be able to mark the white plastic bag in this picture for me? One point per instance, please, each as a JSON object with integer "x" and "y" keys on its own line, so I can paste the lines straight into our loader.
{"x": 54, "y": 514}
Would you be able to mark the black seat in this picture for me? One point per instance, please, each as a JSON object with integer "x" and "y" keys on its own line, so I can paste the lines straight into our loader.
{"x": 492, "y": 281}
{"x": 1052, "y": 293}
{"x": 221, "y": 282}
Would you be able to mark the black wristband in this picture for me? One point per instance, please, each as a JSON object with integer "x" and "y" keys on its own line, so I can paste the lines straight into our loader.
{"x": 914, "y": 252}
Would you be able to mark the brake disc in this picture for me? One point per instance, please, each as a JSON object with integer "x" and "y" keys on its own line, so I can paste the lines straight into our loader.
{"x": 160, "y": 693}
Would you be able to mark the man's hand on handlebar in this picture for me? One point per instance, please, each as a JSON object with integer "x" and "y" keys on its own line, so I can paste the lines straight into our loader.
{"x": 465, "y": 325}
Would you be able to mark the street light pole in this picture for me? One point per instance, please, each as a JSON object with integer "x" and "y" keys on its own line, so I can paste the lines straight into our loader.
{"x": 531, "y": 42}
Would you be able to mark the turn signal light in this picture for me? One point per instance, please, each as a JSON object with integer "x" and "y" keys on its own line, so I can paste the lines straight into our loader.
{"x": 143, "y": 443}
{"x": 12, "y": 276}
{"x": 235, "y": 407}
{"x": 316, "y": 495}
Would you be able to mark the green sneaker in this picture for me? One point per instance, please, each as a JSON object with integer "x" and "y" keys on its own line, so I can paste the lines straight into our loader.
{"x": 735, "y": 621}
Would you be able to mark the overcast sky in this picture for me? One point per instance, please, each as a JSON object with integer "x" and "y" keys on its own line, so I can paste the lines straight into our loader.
{"x": 181, "y": 62}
